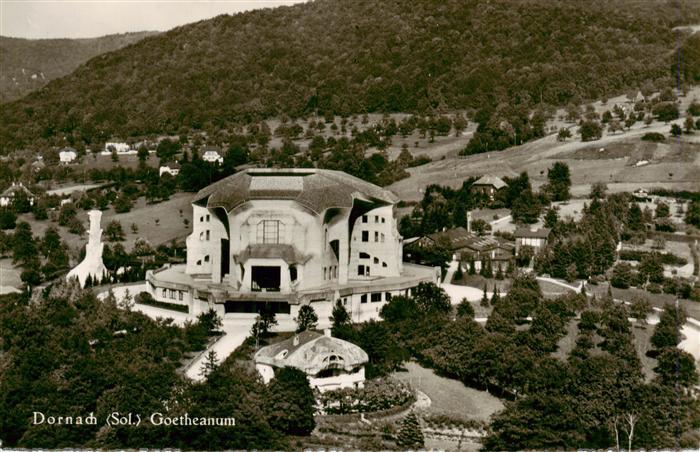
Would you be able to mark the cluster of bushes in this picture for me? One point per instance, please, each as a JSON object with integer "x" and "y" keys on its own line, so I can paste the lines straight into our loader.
{"x": 649, "y": 275}
{"x": 147, "y": 299}
{"x": 376, "y": 395}
{"x": 665, "y": 258}
{"x": 512, "y": 356}
{"x": 655, "y": 137}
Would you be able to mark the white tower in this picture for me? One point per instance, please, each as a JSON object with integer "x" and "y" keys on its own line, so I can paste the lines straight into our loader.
{"x": 92, "y": 264}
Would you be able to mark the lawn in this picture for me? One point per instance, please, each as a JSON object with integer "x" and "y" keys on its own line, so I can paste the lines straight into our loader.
{"x": 9, "y": 276}
{"x": 692, "y": 308}
{"x": 170, "y": 215}
{"x": 450, "y": 397}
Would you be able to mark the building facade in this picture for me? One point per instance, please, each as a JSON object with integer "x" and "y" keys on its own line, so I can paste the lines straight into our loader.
{"x": 328, "y": 362}
{"x": 7, "y": 197}
{"x": 278, "y": 239}
{"x": 532, "y": 237}
{"x": 488, "y": 185}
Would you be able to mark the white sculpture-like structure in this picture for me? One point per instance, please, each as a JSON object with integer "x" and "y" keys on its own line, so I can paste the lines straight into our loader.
{"x": 92, "y": 263}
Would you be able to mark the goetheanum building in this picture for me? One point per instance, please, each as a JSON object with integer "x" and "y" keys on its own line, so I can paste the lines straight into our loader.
{"x": 278, "y": 239}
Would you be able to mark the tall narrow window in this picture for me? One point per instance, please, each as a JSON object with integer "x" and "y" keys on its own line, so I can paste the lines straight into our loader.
{"x": 208, "y": 235}
{"x": 269, "y": 231}
{"x": 206, "y": 258}
{"x": 364, "y": 218}
{"x": 365, "y": 236}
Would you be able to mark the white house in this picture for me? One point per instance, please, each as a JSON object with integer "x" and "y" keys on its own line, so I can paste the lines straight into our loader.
{"x": 532, "y": 237}
{"x": 328, "y": 362}
{"x": 212, "y": 154}
{"x": 8, "y": 196}
{"x": 121, "y": 148}
{"x": 282, "y": 238}
{"x": 172, "y": 168}
{"x": 67, "y": 155}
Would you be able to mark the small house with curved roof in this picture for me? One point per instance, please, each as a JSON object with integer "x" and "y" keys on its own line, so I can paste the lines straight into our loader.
{"x": 328, "y": 362}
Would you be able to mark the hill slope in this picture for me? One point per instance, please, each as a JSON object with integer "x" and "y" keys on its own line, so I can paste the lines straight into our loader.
{"x": 355, "y": 56}
{"x": 29, "y": 64}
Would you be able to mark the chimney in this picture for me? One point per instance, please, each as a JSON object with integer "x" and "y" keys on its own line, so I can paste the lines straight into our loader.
{"x": 327, "y": 332}
{"x": 469, "y": 222}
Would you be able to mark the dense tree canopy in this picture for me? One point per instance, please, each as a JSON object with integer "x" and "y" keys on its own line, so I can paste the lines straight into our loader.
{"x": 359, "y": 56}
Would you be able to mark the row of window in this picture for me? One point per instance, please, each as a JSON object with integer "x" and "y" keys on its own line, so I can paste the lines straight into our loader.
{"x": 173, "y": 294}
{"x": 375, "y": 297}
{"x": 201, "y": 219}
{"x": 206, "y": 259}
{"x": 378, "y": 236}
{"x": 330, "y": 272}
{"x": 377, "y": 219}
{"x": 364, "y": 255}
{"x": 204, "y": 235}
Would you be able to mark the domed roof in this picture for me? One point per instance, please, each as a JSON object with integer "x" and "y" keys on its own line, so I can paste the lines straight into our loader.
{"x": 316, "y": 189}
{"x": 312, "y": 352}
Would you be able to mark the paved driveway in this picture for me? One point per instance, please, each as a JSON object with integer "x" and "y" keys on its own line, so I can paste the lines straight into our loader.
{"x": 236, "y": 331}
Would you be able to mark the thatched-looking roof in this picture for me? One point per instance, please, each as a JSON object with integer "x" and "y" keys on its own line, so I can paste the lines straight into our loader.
{"x": 315, "y": 189}
{"x": 311, "y": 353}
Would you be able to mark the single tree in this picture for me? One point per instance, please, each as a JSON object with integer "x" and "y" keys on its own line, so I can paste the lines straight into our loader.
{"x": 291, "y": 404}
{"x": 676, "y": 367}
{"x": 114, "y": 231}
{"x": 667, "y": 331}
{"x": 559, "y": 181}
{"x": 339, "y": 316}
{"x": 210, "y": 363}
{"x": 410, "y": 435}
{"x": 465, "y": 309}
{"x": 598, "y": 190}
{"x": 484, "y": 297}
{"x": 640, "y": 309}
{"x": 307, "y": 318}
{"x": 564, "y": 134}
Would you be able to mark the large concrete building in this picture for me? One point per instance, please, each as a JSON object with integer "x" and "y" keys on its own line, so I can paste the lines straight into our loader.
{"x": 279, "y": 239}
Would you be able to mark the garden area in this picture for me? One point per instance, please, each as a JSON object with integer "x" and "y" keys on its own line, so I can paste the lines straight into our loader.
{"x": 449, "y": 397}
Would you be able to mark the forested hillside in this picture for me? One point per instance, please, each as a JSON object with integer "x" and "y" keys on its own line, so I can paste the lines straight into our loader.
{"x": 29, "y": 64}
{"x": 357, "y": 56}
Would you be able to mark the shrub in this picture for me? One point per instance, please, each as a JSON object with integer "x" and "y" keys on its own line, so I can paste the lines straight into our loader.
{"x": 666, "y": 111}
{"x": 147, "y": 299}
{"x": 379, "y": 394}
{"x": 410, "y": 435}
{"x": 655, "y": 137}
{"x": 666, "y": 258}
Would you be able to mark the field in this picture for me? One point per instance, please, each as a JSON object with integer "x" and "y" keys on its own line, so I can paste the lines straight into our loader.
{"x": 9, "y": 276}
{"x": 450, "y": 397}
{"x": 170, "y": 215}
{"x": 613, "y": 160}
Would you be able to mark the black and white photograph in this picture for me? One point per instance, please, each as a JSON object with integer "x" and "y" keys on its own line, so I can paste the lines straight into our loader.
{"x": 328, "y": 225}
